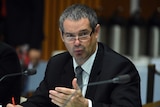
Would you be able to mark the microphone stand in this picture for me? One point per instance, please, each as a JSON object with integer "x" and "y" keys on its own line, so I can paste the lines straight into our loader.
{"x": 27, "y": 72}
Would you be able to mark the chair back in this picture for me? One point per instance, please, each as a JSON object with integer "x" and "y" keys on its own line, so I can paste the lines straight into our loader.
{"x": 150, "y": 87}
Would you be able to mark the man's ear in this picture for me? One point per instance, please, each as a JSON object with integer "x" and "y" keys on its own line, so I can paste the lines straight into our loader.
{"x": 61, "y": 33}
{"x": 97, "y": 30}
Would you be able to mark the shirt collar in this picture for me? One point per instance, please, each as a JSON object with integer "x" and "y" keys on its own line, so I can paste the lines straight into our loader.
{"x": 88, "y": 64}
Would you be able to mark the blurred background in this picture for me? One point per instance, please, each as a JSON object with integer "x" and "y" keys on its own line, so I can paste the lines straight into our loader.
{"x": 130, "y": 27}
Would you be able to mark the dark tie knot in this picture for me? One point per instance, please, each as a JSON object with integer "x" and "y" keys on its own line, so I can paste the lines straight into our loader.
{"x": 79, "y": 70}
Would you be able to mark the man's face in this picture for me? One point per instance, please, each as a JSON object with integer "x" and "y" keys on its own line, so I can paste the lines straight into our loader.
{"x": 80, "y": 48}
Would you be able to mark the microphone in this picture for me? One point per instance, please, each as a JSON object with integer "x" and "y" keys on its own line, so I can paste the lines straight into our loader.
{"x": 26, "y": 72}
{"x": 121, "y": 79}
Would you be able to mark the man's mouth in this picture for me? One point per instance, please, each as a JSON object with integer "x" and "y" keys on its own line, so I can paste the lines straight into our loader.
{"x": 78, "y": 52}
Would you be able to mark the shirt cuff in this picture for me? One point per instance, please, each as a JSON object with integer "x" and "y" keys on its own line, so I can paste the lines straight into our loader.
{"x": 89, "y": 103}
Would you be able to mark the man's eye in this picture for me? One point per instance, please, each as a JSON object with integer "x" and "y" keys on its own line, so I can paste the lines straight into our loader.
{"x": 83, "y": 34}
{"x": 69, "y": 35}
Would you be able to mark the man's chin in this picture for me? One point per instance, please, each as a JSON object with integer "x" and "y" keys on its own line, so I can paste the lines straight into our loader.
{"x": 78, "y": 56}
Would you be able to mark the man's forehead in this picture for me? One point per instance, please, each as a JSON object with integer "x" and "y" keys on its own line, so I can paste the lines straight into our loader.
{"x": 76, "y": 25}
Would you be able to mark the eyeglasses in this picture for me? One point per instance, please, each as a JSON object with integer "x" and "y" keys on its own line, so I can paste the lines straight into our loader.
{"x": 82, "y": 36}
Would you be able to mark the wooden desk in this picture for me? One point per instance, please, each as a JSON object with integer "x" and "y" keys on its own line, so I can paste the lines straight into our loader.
{"x": 154, "y": 104}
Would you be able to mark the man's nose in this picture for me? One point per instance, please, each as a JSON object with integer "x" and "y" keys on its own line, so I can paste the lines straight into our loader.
{"x": 77, "y": 41}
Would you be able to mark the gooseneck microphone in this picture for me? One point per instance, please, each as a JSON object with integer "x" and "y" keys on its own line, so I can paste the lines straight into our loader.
{"x": 122, "y": 79}
{"x": 26, "y": 72}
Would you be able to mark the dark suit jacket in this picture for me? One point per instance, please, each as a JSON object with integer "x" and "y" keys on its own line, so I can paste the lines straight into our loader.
{"x": 9, "y": 63}
{"x": 107, "y": 64}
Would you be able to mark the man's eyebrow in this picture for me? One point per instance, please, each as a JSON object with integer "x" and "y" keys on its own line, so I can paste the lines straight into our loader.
{"x": 84, "y": 30}
{"x": 67, "y": 33}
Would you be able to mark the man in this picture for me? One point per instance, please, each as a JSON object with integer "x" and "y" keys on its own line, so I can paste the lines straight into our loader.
{"x": 79, "y": 31}
{"x": 9, "y": 63}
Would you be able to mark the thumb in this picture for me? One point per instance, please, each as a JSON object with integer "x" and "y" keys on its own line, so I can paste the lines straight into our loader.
{"x": 10, "y": 105}
{"x": 74, "y": 84}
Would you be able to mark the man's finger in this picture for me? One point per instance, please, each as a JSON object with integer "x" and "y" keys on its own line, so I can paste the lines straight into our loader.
{"x": 74, "y": 84}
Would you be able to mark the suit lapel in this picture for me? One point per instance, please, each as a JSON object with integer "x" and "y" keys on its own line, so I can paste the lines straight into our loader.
{"x": 68, "y": 74}
{"x": 96, "y": 69}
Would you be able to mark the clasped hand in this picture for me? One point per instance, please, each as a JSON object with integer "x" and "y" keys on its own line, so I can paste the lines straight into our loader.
{"x": 66, "y": 97}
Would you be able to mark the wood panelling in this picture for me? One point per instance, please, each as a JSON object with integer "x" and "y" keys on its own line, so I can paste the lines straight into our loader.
{"x": 109, "y": 7}
{"x": 148, "y": 7}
